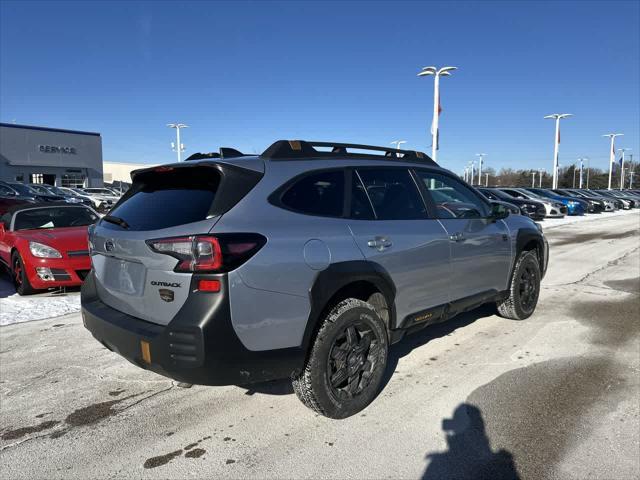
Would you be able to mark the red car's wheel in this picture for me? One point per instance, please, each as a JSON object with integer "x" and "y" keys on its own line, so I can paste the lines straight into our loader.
{"x": 19, "y": 276}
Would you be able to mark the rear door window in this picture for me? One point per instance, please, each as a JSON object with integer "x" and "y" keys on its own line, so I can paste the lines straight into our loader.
{"x": 166, "y": 198}
{"x": 393, "y": 193}
{"x": 319, "y": 194}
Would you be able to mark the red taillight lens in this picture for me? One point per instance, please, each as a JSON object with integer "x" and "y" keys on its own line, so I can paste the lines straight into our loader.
{"x": 207, "y": 253}
{"x": 209, "y": 285}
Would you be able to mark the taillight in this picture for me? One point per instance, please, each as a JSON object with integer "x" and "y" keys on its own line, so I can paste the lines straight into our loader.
{"x": 208, "y": 253}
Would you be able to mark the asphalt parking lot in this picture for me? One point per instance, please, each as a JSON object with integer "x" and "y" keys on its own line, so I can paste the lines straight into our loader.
{"x": 555, "y": 396}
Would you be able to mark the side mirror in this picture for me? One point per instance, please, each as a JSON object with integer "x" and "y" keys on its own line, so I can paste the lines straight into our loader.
{"x": 498, "y": 212}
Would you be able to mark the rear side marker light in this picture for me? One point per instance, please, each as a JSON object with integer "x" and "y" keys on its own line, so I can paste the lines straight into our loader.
{"x": 209, "y": 285}
{"x": 146, "y": 351}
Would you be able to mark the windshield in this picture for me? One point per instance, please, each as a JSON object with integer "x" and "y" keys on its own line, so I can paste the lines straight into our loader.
{"x": 56, "y": 190}
{"x": 102, "y": 191}
{"x": 541, "y": 193}
{"x": 40, "y": 189}
{"x": 53, "y": 217}
{"x": 503, "y": 195}
{"x": 23, "y": 189}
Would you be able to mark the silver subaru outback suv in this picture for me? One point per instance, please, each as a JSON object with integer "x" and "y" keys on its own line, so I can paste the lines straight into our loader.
{"x": 306, "y": 262}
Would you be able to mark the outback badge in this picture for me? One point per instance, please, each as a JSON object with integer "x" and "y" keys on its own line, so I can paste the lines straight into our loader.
{"x": 166, "y": 294}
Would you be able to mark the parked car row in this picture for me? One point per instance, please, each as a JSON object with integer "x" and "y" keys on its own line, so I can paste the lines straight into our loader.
{"x": 101, "y": 199}
{"x": 540, "y": 203}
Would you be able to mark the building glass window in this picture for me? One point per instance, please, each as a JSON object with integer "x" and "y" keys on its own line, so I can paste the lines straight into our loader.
{"x": 73, "y": 180}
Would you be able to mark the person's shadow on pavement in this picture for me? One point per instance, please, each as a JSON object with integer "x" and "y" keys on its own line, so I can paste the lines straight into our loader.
{"x": 469, "y": 455}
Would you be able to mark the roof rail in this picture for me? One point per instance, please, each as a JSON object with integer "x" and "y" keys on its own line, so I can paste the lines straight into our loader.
{"x": 224, "y": 152}
{"x": 301, "y": 149}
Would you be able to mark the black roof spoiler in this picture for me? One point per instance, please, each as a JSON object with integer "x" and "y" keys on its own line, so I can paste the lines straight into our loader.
{"x": 301, "y": 149}
{"x": 224, "y": 152}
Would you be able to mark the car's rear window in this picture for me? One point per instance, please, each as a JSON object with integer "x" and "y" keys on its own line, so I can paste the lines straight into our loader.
{"x": 166, "y": 198}
{"x": 53, "y": 217}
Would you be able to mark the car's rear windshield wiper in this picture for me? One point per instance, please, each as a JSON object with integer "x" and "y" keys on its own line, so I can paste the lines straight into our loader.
{"x": 117, "y": 220}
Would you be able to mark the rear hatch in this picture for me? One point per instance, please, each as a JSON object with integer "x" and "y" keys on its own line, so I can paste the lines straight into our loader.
{"x": 164, "y": 202}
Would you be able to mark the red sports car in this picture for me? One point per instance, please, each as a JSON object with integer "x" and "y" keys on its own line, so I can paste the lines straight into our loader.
{"x": 46, "y": 245}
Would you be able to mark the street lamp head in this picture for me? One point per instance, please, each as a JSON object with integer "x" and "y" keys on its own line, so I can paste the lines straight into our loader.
{"x": 555, "y": 116}
{"x": 177, "y": 125}
{"x": 444, "y": 71}
{"x": 613, "y": 135}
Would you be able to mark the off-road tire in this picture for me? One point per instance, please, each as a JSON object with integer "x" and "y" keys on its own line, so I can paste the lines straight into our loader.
{"x": 514, "y": 306}
{"x": 313, "y": 385}
{"x": 19, "y": 276}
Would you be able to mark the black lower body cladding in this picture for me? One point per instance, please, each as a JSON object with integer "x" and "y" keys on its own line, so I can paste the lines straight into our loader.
{"x": 198, "y": 346}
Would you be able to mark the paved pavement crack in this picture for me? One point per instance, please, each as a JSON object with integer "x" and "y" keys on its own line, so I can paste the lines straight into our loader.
{"x": 610, "y": 263}
{"x": 146, "y": 398}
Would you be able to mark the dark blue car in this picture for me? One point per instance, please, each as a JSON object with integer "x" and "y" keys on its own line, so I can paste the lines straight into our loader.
{"x": 574, "y": 205}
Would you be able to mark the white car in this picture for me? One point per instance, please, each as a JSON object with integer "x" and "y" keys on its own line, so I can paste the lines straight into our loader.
{"x": 106, "y": 197}
{"x": 78, "y": 193}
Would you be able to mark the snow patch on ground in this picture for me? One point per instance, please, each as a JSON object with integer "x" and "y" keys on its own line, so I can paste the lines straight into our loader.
{"x": 17, "y": 309}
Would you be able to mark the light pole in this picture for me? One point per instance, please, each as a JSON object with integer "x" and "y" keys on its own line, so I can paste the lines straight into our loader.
{"x": 473, "y": 164}
{"x": 588, "y": 171}
{"x": 177, "y": 147}
{"x": 622, "y": 166}
{"x": 486, "y": 179}
{"x": 480, "y": 158}
{"x": 557, "y": 117}
{"x": 397, "y": 143}
{"x": 631, "y": 179}
{"x": 540, "y": 173}
{"x": 612, "y": 156}
{"x": 533, "y": 179}
{"x": 574, "y": 176}
{"x": 581, "y": 170}
{"x": 437, "y": 73}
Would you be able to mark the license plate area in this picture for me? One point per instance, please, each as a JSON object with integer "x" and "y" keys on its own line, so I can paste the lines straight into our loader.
{"x": 122, "y": 276}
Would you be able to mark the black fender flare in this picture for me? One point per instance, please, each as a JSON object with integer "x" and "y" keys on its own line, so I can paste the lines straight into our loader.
{"x": 337, "y": 276}
{"x": 523, "y": 238}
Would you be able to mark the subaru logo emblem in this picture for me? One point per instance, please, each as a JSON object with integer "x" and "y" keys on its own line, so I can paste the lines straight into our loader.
{"x": 109, "y": 246}
{"x": 166, "y": 294}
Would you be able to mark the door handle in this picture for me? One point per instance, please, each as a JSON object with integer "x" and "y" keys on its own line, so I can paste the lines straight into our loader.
{"x": 379, "y": 243}
{"x": 457, "y": 237}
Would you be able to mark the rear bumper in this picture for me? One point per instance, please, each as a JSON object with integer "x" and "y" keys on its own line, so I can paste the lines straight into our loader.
{"x": 198, "y": 346}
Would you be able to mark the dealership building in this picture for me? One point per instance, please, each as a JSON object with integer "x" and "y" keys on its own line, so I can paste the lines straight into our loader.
{"x": 65, "y": 158}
